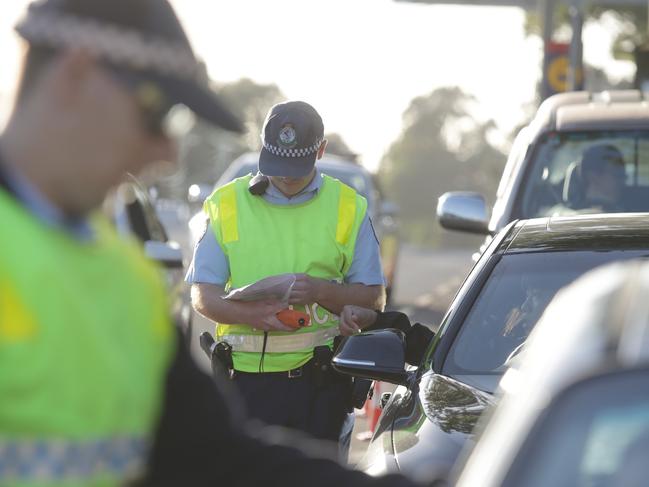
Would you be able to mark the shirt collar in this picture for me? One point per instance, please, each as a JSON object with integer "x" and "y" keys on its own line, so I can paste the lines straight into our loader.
{"x": 274, "y": 195}
{"x": 37, "y": 204}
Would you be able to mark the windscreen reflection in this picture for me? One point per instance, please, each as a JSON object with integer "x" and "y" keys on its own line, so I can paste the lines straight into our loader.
{"x": 509, "y": 306}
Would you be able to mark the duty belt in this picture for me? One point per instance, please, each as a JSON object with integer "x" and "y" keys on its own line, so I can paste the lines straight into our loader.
{"x": 280, "y": 343}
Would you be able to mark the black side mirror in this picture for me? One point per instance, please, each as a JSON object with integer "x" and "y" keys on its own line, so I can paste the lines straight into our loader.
{"x": 378, "y": 355}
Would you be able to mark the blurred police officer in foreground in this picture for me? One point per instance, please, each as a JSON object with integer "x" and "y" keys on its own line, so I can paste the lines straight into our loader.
{"x": 95, "y": 389}
{"x": 288, "y": 219}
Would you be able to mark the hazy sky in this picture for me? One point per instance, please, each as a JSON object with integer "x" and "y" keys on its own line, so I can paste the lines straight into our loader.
{"x": 359, "y": 62}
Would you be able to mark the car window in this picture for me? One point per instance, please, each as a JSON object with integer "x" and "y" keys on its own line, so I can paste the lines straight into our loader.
{"x": 508, "y": 306}
{"x": 595, "y": 434}
{"x": 559, "y": 181}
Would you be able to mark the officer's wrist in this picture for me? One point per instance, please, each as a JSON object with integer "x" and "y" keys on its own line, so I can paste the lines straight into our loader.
{"x": 321, "y": 289}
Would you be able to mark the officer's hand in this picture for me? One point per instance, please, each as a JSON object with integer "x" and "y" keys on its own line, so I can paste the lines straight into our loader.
{"x": 262, "y": 316}
{"x": 305, "y": 290}
{"x": 354, "y": 318}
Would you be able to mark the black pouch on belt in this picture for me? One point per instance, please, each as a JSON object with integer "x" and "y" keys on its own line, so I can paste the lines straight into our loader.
{"x": 360, "y": 393}
{"x": 322, "y": 370}
{"x": 223, "y": 353}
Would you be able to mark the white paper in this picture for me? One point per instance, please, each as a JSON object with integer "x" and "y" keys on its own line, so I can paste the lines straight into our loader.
{"x": 270, "y": 288}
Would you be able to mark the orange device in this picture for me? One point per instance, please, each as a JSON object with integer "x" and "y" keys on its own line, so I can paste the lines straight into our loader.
{"x": 294, "y": 319}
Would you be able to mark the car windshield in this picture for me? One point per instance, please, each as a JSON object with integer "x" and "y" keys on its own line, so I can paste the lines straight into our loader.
{"x": 588, "y": 172}
{"x": 509, "y": 305}
{"x": 597, "y": 433}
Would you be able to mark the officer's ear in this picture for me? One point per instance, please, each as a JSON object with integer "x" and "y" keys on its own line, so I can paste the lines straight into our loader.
{"x": 71, "y": 68}
{"x": 321, "y": 150}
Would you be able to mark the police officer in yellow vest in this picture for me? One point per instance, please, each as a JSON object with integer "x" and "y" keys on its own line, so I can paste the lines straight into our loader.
{"x": 95, "y": 389}
{"x": 289, "y": 218}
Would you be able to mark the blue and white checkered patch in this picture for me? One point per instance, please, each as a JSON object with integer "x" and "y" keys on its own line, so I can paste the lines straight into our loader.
{"x": 32, "y": 460}
{"x": 285, "y": 152}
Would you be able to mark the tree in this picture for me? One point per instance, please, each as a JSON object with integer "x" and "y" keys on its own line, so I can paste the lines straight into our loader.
{"x": 337, "y": 146}
{"x": 206, "y": 151}
{"x": 629, "y": 21}
{"x": 442, "y": 147}
{"x": 251, "y": 102}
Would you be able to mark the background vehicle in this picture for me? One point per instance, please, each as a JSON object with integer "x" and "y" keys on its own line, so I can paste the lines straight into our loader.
{"x": 539, "y": 172}
{"x": 130, "y": 208}
{"x": 430, "y": 417}
{"x": 580, "y": 414}
{"x": 382, "y": 212}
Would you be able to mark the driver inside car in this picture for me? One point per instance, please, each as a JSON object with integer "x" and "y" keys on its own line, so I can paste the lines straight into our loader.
{"x": 595, "y": 183}
{"x": 521, "y": 319}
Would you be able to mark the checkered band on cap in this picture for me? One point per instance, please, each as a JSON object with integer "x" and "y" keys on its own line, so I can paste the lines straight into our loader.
{"x": 78, "y": 462}
{"x": 286, "y": 152}
{"x": 114, "y": 43}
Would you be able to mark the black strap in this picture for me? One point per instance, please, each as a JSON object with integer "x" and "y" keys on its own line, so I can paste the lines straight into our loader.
{"x": 263, "y": 353}
{"x": 4, "y": 180}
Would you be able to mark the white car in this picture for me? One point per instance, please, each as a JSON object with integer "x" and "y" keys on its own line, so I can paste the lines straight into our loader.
{"x": 542, "y": 173}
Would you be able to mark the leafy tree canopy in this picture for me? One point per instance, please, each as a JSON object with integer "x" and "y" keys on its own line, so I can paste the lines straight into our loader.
{"x": 206, "y": 151}
{"x": 337, "y": 146}
{"x": 628, "y": 22}
{"x": 443, "y": 147}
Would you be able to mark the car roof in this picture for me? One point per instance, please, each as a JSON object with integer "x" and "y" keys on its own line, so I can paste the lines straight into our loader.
{"x": 579, "y": 232}
{"x": 328, "y": 161}
{"x": 348, "y": 171}
{"x": 582, "y": 110}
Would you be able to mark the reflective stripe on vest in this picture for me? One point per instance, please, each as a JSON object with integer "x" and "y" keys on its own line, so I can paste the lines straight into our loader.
{"x": 87, "y": 361}
{"x": 280, "y": 344}
{"x": 83, "y": 462}
{"x": 228, "y": 214}
{"x": 346, "y": 212}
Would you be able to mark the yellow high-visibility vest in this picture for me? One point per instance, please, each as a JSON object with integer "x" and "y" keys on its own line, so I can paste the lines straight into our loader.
{"x": 85, "y": 344}
{"x": 261, "y": 239}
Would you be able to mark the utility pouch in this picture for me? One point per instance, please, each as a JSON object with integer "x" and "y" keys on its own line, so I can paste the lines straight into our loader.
{"x": 322, "y": 356}
{"x": 220, "y": 355}
{"x": 223, "y": 352}
{"x": 361, "y": 389}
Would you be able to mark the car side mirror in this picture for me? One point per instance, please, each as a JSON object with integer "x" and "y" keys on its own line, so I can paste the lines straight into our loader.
{"x": 377, "y": 355}
{"x": 168, "y": 254}
{"x": 464, "y": 211}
